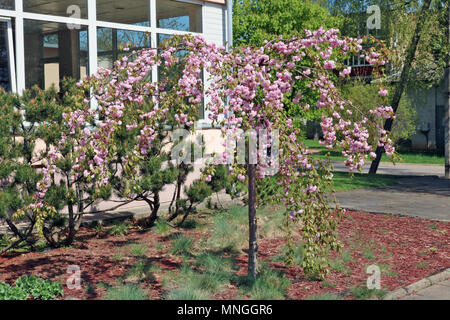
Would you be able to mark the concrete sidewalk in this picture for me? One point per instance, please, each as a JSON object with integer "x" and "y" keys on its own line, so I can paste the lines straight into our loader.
{"x": 421, "y": 192}
{"x": 440, "y": 291}
{"x": 435, "y": 287}
{"x": 424, "y": 197}
{"x": 401, "y": 169}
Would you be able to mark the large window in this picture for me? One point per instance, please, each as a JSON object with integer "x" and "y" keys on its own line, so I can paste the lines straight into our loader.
{"x": 55, "y": 47}
{"x": 53, "y": 52}
{"x": 7, "y": 67}
{"x": 175, "y": 72}
{"x": 7, "y": 4}
{"x": 111, "y": 42}
{"x": 64, "y": 8}
{"x": 135, "y": 12}
{"x": 177, "y": 15}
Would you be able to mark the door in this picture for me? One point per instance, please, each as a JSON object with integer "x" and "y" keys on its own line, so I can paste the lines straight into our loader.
{"x": 7, "y": 65}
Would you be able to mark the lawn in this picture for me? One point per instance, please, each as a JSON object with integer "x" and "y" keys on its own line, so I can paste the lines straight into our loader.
{"x": 409, "y": 157}
{"x": 207, "y": 259}
{"x": 343, "y": 181}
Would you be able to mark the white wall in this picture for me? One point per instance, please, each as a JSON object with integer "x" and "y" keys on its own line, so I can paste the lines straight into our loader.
{"x": 214, "y": 31}
{"x": 425, "y": 102}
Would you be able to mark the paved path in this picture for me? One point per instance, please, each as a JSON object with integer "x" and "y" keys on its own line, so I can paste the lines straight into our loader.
{"x": 401, "y": 169}
{"x": 425, "y": 197}
{"x": 422, "y": 192}
{"x": 440, "y": 291}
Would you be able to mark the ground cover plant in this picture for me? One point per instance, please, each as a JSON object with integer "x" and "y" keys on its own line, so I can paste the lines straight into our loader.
{"x": 210, "y": 269}
{"x": 31, "y": 287}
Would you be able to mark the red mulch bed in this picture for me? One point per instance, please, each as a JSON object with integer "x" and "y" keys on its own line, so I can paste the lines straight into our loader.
{"x": 412, "y": 248}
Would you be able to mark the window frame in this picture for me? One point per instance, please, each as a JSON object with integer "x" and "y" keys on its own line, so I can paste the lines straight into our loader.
{"x": 91, "y": 22}
{"x": 11, "y": 58}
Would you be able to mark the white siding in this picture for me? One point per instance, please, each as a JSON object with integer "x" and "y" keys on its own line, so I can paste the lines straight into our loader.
{"x": 214, "y": 31}
{"x": 214, "y": 23}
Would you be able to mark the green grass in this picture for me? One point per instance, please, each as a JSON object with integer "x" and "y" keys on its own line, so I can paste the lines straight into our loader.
{"x": 211, "y": 267}
{"x": 126, "y": 292}
{"x": 181, "y": 245}
{"x": 364, "y": 293}
{"x": 368, "y": 253}
{"x": 162, "y": 227}
{"x": 138, "y": 250}
{"x": 190, "y": 224}
{"x": 229, "y": 230}
{"x": 328, "y": 284}
{"x": 406, "y": 157}
{"x": 118, "y": 256}
{"x": 346, "y": 256}
{"x": 422, "y": 158}
{"x": 189, "y": 284}
{"x": 325, "y": 296}
{"x": 268, "y": 285}
{"x": 422, "y": 265}
{"x": 386, "y": 270}
{"x": 344, "y": 182}
{"x": 119, "y": 229}
{"x": 142, "y": 270}
{"x": 187, "y": 293}
{"x": 339, "y": 266}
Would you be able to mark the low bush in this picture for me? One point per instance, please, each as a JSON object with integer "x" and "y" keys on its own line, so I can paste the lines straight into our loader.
{"x": 31, "y": 287}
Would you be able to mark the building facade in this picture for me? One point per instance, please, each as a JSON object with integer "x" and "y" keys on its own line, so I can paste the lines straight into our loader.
{"x": 42, "y": 41}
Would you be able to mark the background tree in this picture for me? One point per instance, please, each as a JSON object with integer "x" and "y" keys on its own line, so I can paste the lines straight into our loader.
{"x": 400, "y": 87}
{"x": 255, "y": 21}
{"x": 431, "y": 52}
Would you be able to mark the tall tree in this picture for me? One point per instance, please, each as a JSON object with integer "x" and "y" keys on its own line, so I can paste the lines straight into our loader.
{"x": 257, "y": 20}
{"x": 400, "y": 88}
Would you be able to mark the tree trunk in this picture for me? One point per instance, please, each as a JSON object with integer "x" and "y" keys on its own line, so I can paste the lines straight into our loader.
{"x": 155, "y": 208}
{"x": 403, "y": 79}
{"x": 72, "y": 231}
{"x": 253, "y": 236}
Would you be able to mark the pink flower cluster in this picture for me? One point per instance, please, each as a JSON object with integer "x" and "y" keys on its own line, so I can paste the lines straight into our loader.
{"x": 248, "y": 89}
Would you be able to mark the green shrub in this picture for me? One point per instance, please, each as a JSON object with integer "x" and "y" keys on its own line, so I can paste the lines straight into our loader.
{"x": 12, "y": 293}
{"x": 120, "y": 229}
{"x": 37, "y": 288}
{"x": 189, "y": 224}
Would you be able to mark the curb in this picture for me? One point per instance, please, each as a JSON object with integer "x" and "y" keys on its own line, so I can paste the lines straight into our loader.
{"x": 419, "y": 285}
